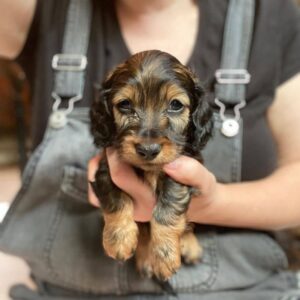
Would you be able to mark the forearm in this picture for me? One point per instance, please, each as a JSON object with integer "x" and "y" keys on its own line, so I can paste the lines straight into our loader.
{"x": 270, "y": 203}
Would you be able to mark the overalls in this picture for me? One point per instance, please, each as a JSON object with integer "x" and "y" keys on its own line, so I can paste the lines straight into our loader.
{"x": 53, "y": 227}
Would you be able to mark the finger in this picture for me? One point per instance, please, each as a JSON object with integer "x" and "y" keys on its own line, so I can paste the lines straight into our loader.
{"x": 189, "y": 171}
{"x": 92, "y": 168}
{"x": 92, "y": 197}
{"x": 124, "y": 176}
{"x": 126, "y": 179}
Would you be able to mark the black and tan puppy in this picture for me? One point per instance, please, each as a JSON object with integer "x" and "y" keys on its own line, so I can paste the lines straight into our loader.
{"x": 151, "y": 109}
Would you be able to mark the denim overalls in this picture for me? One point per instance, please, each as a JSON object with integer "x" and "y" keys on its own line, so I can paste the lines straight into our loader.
{"x": 53, "y": 227}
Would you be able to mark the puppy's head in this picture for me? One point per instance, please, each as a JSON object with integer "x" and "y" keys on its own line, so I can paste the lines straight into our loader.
{"x": 152, "y": 109}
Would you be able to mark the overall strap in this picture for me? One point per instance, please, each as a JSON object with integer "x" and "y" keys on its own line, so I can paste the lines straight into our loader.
{"x": 223, "y": 153}
{"x": 70, "y": 65}
{"x": 233, "y": 76}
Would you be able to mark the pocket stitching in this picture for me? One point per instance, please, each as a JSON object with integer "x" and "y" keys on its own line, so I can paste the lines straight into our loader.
{"x": 213, "y": 264}
{"x": 51, "y": 237}
{"x": 68, "y": 185}
{"x": 278, "y": 254}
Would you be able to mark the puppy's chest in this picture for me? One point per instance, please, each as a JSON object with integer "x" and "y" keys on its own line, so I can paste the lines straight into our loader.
{"x": 152, "y": 178}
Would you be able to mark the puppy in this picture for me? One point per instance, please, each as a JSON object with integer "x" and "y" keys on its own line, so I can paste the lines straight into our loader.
{"x": 151, "y": 109}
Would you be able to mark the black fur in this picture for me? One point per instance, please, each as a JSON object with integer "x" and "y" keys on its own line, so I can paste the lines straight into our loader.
{"x": 102, "y": 122}
{"x": 201, "y": 124}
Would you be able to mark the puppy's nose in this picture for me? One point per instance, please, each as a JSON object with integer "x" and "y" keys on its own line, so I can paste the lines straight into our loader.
{"x": 148, "y": 151}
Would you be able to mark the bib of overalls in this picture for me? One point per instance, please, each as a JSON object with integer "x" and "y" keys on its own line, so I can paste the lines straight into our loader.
{"x": 54, "y": 228}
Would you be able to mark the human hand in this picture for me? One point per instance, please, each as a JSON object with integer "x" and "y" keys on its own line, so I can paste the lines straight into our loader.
{"x": 185, "y": 170}
{"x": 126, "y": 179}
{"x": 91, "y": 171}
{"x": 189, "y": 171}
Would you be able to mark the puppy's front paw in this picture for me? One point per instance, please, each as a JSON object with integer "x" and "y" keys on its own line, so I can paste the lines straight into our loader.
{"x": 165, "y": 247}
{"x": 120, "y": 242}
{"x": 165, "y": 259}
{"x": 191, "y": 250}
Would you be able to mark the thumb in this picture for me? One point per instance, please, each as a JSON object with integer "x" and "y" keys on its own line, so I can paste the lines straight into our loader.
{"x": 188, "y": 171}
{"x": 125, "y": 177}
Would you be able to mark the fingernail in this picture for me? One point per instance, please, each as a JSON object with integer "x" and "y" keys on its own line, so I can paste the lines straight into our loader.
{"x": 172, "y": 165}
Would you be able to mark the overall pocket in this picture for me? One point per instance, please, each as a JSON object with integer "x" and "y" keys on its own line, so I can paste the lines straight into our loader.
{"x": 199, "y": 277}
{"x": 246, "y": 259}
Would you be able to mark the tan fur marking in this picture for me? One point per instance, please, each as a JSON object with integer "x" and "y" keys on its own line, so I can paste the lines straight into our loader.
{"x": 151, "y": 178}
{"x": 165, "y": 248}
{"x": 122, "y": 120}
{"x": 181, "y": 122}
{"x": 120, "y": 232}
{"x": 126, "y": 92}
{"x": 173, "y": 91}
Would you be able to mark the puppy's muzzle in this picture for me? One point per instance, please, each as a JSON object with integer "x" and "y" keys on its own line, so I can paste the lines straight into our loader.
{"x": 148, "y": 151}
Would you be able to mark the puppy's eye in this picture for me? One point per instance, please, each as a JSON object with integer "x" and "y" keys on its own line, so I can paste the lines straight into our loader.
{"x": 125, "y": 106}
{"x": 175, "y": 106}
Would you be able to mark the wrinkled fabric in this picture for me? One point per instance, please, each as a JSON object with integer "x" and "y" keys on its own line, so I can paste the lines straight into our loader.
{"x": 53, "y": 227}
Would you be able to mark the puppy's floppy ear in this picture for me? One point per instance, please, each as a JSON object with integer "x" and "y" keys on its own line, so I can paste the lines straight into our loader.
{"x": 102, "y": 121}
{"x": 201, "y": 121}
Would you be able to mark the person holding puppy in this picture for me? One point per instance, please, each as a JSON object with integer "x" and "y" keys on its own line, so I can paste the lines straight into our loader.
{"x": 241, "y": 260}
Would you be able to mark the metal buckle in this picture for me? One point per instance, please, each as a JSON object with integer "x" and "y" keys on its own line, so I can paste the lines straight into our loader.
{"x": 71, "y": 102}
{"x": 69, "y": 62}
{"x": 58, "y": 118}
{"x": 232, "y": 76}
{"x": 230, "y": 126}
{"x": 236, "y": 109}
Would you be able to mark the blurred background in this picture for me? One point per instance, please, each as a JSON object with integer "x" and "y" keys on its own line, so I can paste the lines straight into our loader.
{"x": 14, "y": 150}
{"x": 15, "y": 147}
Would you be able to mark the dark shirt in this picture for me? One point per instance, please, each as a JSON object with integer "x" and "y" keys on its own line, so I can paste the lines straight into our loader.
{"x": 274, "y": 58}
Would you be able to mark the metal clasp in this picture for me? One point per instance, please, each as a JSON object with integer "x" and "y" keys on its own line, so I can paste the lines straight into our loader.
{"x": 230, "y": 126}
{"x": 236, "y": 109}
{"x": 71, "y": 102}
{"x": 232, "y": 76}
{"x": 58, "y": 118}
{"x": 69, "y": 62}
